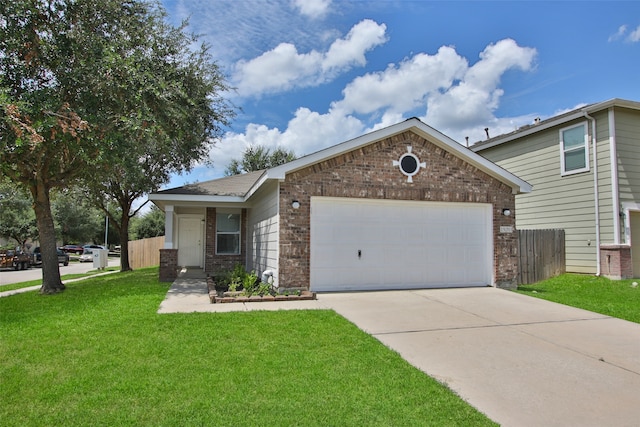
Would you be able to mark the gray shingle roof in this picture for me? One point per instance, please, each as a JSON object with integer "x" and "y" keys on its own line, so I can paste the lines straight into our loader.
{"x": 236, "y": 185}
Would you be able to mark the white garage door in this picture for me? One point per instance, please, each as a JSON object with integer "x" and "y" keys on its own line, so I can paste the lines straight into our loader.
{"x": 364, "y": 244}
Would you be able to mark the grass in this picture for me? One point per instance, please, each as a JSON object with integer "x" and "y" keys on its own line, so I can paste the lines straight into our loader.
{"x": 615, "y": 298}
{"x": 27, "y": 284}
{"x": 99, "y": 354}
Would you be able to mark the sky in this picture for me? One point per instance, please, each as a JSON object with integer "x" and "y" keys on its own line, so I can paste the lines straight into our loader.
{"x": 309, "y": 74}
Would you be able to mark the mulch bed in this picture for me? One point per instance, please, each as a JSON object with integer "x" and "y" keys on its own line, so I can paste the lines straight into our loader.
{"x": 219, "y": 297}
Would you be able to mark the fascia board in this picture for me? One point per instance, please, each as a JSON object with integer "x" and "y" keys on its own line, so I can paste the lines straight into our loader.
{"x": 256, "y": 186}
{"x": 167, "y": 198}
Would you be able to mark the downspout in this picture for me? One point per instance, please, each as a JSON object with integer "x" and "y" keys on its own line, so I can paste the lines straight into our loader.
{"x": 596, "y": 193}
{"x": 615, "y": 192}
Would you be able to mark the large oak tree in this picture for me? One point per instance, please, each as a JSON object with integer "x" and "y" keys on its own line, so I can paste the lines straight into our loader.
{"x": 103, "y": 91}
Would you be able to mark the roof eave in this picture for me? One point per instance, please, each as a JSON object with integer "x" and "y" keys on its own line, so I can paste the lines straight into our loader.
{"x": 162, "y": 200}
{"x": 615, "y": 102}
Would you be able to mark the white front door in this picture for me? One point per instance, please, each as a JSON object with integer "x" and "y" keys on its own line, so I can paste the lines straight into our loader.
{"x": 190, "y": 239}
{"x": 359, "y": 244}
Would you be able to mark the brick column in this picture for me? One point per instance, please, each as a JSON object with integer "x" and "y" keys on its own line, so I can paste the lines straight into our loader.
{"x": 615, "y": 261}
{"x": 168, "y": 265}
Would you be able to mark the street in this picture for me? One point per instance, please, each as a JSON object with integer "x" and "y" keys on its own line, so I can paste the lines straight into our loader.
{"x": 35, "y": 273}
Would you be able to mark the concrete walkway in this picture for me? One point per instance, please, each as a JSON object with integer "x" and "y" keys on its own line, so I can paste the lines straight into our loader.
{"x": 520, "y": 360}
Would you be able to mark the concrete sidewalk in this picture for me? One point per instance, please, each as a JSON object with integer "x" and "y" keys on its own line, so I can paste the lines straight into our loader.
{"x": 520, "y": 360}
{"x": 188, "y": 294}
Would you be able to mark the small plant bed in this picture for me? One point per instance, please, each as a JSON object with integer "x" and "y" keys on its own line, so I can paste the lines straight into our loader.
{"x": 238, "y": 285}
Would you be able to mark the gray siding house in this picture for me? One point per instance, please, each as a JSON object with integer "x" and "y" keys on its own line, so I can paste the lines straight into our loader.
{"x": 584, "y": 167}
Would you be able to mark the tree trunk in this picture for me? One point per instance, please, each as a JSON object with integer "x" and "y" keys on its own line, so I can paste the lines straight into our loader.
{"x": 51, "y": 282}
{"x": 124, "y": 238}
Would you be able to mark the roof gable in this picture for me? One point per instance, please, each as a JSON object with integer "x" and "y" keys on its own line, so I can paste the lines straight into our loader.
{"x": 413, "y": 125}
{"x": 239, "y": 188}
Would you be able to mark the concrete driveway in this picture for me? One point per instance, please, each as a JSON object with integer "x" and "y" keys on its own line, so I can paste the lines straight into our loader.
{"x": 520, "y": 360}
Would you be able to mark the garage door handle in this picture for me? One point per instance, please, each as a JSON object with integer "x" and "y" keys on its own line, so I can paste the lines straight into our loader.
{"x": 359, "y": 253}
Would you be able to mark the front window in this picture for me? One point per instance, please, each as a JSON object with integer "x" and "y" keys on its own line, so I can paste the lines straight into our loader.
{"x": 574, "y": 149}
{"x": 227, "y": 233}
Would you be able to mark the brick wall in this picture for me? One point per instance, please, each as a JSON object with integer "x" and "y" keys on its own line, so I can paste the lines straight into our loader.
{"x": 216, "y": 263}
{"x": 368, "y": 172}
{"x": 168, "y": 265}
{"x": 615, "y": 261}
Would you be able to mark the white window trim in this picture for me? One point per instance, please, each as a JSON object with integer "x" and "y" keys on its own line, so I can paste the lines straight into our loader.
{"x": 235, "y": 212}
{"x": 564, "y": 172}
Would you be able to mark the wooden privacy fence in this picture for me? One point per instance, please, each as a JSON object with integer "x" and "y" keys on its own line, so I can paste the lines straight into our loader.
{"x": 145, "y": 252}
{"x": 542, "y": 255}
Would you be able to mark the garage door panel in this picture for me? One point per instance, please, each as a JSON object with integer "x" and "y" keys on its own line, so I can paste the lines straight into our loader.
{"x": 402, "y": 244}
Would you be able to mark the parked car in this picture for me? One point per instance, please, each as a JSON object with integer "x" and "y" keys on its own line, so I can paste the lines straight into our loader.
{"x": 16, "y": 259}
{"x": 93, "y": 247}
{"x": 63, "y": 257}
{"x": 72, "y": 249}
{"x": 87, "y": 255}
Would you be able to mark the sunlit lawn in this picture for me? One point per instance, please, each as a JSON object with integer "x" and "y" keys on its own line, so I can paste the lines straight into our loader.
{"x": 616, "y": 298}
{"x": 64, "y": 277}
{"x": 99, "y": 354}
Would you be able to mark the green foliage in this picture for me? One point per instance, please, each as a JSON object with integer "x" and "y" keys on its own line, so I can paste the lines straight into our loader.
{"x": 616, "y": 298}
{"x": 100, "y": 354}
{"x": 150, "y": 224}
{"x": 103, "y": 91}
{"x": 17, "y": 219}
{"x": 78, "y": 221}
{"x": 251, "y": 284}
{"x": 259, "y": 157}
{"x": 240, "y": 279}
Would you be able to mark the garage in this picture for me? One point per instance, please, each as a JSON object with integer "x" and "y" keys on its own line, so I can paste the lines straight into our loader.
{"x": 367, "y": 244}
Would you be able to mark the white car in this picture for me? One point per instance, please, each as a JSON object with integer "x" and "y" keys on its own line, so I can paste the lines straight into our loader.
{"x": 87, "y": 255}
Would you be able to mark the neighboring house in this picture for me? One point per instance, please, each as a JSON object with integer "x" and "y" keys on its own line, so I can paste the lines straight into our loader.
{"x": 588, "y": 187}
{"x": 401, "y": 207}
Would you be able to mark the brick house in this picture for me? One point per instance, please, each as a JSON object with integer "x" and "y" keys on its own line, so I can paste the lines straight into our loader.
{"x": 398, "y": 208}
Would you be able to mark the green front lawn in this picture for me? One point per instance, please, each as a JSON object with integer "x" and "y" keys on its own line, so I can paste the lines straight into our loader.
{"x": 64, "y": 277}
{"x": 616, "y": 298}
{"x": 99, "y": 354}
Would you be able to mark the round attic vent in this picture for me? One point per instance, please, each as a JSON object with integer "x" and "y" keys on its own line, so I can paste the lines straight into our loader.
{"x": 409, "y": 164}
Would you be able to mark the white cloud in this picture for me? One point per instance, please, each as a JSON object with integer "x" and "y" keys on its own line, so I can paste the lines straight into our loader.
{"x": 403, "y": 87}
{"x": 350, "y": 50}
{"x": 457, "y": 99}
{"x": 474, "y": 99}
{"x": 284, "y": 68}
{"x": 618, "y": 34}
{"x": 635, "y": 35}
{"x": 307, "y": 132}
{"x": 312, "y": 8}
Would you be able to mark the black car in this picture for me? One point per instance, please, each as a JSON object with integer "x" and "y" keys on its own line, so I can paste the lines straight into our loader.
{"x": 63, "y": 258}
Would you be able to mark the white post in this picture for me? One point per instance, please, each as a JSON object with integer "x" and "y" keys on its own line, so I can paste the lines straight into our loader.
{"x": 168, "y": 227}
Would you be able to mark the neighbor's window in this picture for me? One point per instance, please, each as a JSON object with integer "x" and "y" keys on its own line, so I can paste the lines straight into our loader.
{"x": 228, "y": 233}
{"x": 574, "y": 148}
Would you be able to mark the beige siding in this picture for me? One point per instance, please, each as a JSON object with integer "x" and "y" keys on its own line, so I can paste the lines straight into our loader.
{"x": 628, "y": 147}
{"x": 565, "y": 202}
{"x": 263, "y": 227}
